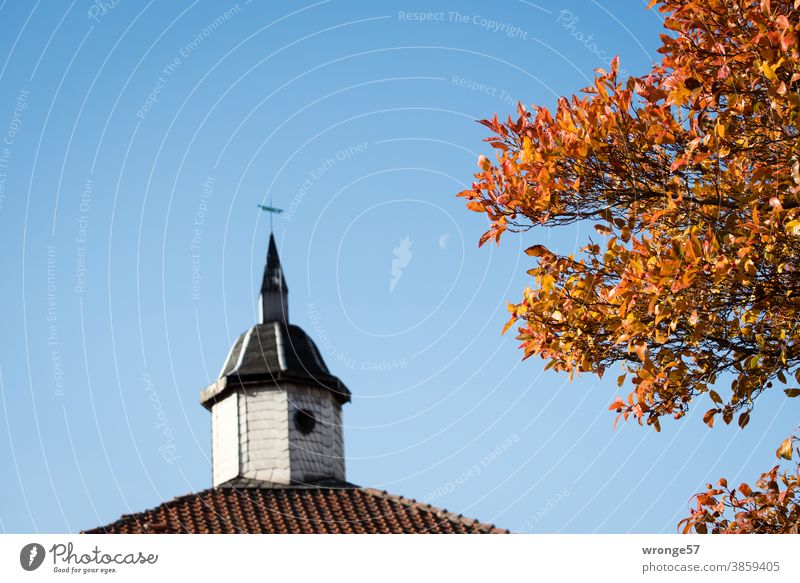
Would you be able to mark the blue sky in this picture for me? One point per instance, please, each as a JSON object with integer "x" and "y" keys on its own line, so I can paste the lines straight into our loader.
{"x": 138, "y": 139}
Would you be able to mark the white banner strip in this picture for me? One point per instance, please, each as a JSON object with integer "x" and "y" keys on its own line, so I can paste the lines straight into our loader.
{"x": 372, "y": 558}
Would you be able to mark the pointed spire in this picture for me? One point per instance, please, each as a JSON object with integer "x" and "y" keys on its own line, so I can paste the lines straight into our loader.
{"x": 273, "y": 300}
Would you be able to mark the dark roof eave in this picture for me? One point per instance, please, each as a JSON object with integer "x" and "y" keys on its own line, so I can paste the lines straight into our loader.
{"x": 224, "y": 386}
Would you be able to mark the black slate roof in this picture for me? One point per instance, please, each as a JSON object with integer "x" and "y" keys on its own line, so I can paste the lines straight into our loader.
{"x": 275, "y": 352}
{"x": 273, "y": 279}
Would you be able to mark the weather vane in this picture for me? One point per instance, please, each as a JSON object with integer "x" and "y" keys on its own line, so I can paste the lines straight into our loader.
{"x": 271, "y": 210}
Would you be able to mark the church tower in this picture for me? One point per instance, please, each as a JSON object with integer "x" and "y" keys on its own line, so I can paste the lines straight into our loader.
{"x": 277, "y": 447}
{"x": 276, "y": 410}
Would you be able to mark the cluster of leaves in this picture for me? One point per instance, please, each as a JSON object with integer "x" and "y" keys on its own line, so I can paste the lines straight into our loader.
{"x": 772, "y": 508}
{"x": 691, "y": 176}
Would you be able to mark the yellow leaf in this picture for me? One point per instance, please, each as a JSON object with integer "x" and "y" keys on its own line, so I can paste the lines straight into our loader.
{"x": 785, "y": 449}
{"x": 769, "y": 72}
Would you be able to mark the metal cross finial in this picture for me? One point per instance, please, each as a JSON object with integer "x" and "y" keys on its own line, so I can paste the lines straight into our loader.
{"x": 271, "y": 210}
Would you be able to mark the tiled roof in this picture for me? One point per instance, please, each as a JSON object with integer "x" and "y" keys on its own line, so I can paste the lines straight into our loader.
{"x": 340, "y": 509}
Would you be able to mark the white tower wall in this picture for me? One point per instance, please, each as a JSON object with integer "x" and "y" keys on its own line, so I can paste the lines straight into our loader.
{"x": 255, "y": 437}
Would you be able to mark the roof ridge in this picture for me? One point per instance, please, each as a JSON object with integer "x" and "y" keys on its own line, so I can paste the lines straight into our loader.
{"x": 441, "y": 512}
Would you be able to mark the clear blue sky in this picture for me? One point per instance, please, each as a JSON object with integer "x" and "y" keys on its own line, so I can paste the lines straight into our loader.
{"x": 138, "y": 139}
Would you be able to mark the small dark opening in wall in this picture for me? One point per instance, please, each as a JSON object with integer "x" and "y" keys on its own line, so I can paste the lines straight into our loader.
{"x": 305, "y": 421}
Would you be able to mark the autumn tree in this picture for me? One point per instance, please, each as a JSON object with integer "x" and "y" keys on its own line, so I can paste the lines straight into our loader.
{"x": 690, "y": 176}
